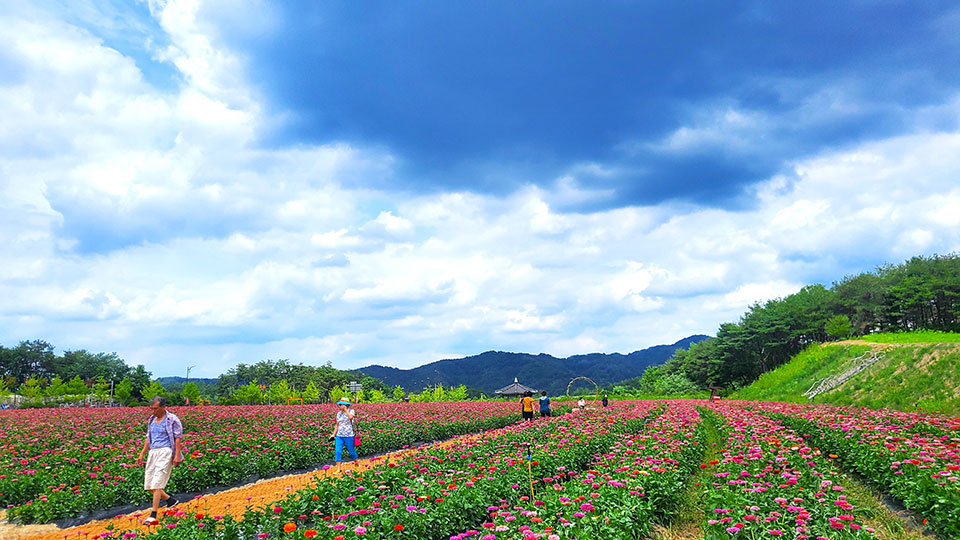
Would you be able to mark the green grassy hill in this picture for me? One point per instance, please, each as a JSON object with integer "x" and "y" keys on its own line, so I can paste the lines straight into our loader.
{"x": 915, "y": 373}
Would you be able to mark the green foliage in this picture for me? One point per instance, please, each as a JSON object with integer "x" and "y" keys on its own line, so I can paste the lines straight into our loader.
{"x": 655, "y": 381}
{"x": 376, "y": 396}
{"x": 76, "y": 387}
{"x": 336, "y": 394}
{"x": 398, "y": 393}
{"x": 152, "y": 390}
{"x": 101, "y": 389}
{"x": 922, "y": 293}
{"x": 675, "y": 384}
{"x": 457, "y": 394}
{"x": 250, "y": 393}
{"x": 311, "y": 394}
{"x": 280, "y": 392}
{"x": 191, "y": 392}
{"x": 31, "y": 388}
{"x": 56, "y": 389}
{"x": 838, "y": 326}
{"x": 272, "y": 372}
{"x": 124, "y": 391}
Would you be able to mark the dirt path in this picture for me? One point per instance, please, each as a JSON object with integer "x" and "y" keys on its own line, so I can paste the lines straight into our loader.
{"x": 231, "y": 501}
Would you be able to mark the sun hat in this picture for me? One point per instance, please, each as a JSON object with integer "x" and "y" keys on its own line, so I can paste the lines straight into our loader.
{"x": 343, "y": 402}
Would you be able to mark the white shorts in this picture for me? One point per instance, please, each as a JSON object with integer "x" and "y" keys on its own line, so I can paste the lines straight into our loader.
{"x": 159, "y": 466}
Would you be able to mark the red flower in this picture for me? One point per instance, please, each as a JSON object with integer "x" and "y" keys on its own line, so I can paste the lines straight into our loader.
{"x": 398, "y": 527}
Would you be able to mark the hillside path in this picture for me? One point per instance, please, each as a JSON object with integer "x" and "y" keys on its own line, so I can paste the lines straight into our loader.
{"x": 232, "y": 501}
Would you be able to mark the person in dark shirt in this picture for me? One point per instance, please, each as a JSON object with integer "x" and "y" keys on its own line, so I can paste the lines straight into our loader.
{"x": 544, "y": 404}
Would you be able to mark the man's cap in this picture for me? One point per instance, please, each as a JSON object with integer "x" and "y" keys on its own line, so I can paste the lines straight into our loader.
{"x": 343, "y": 402}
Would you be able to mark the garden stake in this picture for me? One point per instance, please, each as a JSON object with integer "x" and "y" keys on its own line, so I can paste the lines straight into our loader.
{"x": 530, "y": 472}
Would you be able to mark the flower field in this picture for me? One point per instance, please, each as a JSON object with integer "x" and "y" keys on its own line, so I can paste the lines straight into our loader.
{"x": 770, "y": 470}
{"x": 916, "y": 458}
{"x": 65, "y": 462}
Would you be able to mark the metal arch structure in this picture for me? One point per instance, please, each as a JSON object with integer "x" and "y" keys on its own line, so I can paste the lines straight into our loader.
{"x": 588, "y": 379}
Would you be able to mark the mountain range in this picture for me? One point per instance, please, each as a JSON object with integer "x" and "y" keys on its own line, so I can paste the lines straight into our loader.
{"x": 492, "y": 370}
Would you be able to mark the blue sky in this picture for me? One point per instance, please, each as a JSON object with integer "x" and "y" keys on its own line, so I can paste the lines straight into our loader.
{"x": 206, "y": 183}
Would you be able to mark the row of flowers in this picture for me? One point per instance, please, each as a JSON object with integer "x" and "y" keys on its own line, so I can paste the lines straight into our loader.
{"x": 438, "y": 493}
{"x": 916, "y": 458}
{"x": 638, "y": 482}
{"x": 770, "y": 482}
{"x": 61, "y": 463}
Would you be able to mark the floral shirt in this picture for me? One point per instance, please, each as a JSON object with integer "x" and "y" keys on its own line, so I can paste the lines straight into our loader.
{"x": 344, "y": 425}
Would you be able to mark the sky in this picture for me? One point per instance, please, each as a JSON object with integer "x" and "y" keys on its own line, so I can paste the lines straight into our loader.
{"x": 205, "y": 183}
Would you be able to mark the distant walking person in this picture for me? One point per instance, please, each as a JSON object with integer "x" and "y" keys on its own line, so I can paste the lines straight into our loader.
{"x": 544, "y": 404}
{"x": 526, "y": 405}
{"x": 164, "y": 442}
{"x": 604, "y": 400}
{"x": 344, "y": 432}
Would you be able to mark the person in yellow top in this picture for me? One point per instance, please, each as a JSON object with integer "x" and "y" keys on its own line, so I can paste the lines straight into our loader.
{"x": 526, "y": 405}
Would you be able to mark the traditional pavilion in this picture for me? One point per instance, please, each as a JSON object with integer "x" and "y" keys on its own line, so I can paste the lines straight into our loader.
{"x": 515, "y": 389}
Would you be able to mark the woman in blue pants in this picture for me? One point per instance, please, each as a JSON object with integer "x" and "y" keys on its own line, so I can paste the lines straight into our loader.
{"x": 344, "y": 432}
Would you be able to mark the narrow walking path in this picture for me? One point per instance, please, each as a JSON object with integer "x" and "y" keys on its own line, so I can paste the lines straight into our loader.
{"x": 687, "y": 523}
{"x": 232, "y": 501}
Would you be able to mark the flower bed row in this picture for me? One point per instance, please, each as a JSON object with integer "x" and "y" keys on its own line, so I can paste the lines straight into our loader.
{"x": 626, "y": 490}
{"x": 62, "y": 463}
{"x": 915, "y": 458}
{"x": 434, "y": 493}
{"x": 771, "y": 483}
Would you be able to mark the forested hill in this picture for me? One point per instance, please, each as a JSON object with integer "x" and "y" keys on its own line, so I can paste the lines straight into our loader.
{"x": 495, "y": 369}
{"x": 922, "y": 293}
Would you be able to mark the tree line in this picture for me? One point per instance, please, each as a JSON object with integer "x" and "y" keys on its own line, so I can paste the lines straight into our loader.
{"x": 922, "y": 293}
{"x": 35, "y": 372}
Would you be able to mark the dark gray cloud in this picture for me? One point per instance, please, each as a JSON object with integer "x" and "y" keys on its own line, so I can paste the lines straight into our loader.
{"x": 492, "y": 95}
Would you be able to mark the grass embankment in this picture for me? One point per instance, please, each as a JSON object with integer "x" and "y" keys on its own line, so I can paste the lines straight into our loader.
{"x": 911, "y": 376}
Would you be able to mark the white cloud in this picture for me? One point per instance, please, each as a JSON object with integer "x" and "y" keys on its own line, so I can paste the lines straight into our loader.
{"x": 240, "y": 253}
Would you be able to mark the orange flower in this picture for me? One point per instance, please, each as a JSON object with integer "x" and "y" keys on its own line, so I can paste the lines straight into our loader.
{"x": 289, "y": 527}
{"x": 309, "y": 533}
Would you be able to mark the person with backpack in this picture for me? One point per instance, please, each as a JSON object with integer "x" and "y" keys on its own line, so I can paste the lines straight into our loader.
{"x": 164, "y": 442}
